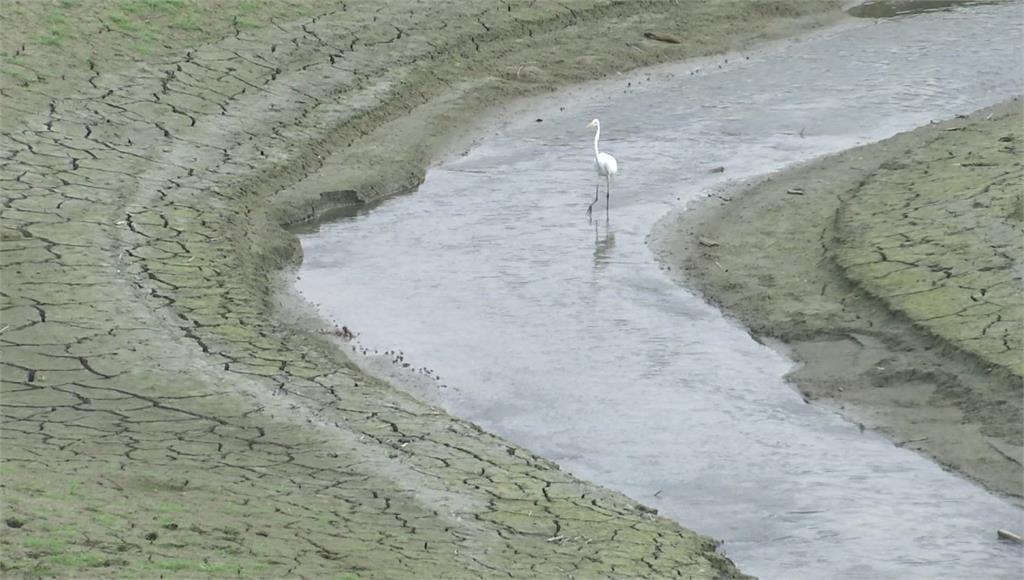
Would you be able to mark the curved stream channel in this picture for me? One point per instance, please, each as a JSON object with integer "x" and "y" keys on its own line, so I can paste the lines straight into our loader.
{"x": 567, "y": 338}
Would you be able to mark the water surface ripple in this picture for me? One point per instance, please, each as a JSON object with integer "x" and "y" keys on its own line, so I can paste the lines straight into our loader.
{"x": 567, "y": 338}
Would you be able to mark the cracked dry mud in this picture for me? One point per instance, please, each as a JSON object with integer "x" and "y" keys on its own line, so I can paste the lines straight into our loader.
{"x": 156, "y": 418}
{"x": 937, "y": 235}
{"x": 903, "y": 299}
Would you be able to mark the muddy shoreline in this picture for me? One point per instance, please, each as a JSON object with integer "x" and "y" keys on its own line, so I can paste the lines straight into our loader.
{"x": 771, "y": 254}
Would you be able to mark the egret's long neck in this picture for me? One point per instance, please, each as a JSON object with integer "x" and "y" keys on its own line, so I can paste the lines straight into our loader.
{"x": 596, "y": 137}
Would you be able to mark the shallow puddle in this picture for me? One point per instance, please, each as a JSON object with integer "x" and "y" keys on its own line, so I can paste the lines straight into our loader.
{"x": 564, "y": 336}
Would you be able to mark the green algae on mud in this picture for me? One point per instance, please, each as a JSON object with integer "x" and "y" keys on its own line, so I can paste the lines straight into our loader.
{"x": 807, "y": 270}
{"x": 936, "y": 234}
{"x": 157, "y": 418}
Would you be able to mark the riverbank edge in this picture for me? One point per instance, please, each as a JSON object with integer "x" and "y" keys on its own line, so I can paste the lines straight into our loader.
{"x": 765, "y": 253}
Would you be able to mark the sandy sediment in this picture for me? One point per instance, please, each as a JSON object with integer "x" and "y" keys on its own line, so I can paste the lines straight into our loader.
{"x": 892, "y": 273}
{"x": 157, "y": 418}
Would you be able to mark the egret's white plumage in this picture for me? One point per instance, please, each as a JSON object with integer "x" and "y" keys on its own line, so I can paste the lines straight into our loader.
{"x": 606, "y": 167}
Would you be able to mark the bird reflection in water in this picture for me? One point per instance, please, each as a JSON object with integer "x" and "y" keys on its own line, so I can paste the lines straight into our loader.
{"x": 604, "y": 243}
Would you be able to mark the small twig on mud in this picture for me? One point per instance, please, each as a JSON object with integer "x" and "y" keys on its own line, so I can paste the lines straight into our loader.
{"x": 657, "y": 493}
{"x": 4, "y": 328}
{"x": 662, "y": 38}
{"x": 795, "y": 191}
{"x": 719, "y": 266}
{"x": 909, "y": 441}
{"x": 1003, "y": 453}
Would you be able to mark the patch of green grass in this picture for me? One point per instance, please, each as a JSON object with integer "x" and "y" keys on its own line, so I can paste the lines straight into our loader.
{"x": 55, "y": 25}
{"x": 123, "y": 22}
{"x": 82, "y": 560}
{"x": 137, "y": 6}
{"x": 18, "y": 74}
{"x": 52, "y": 37}
{"x": 147, "y": 18}
{"x": 104, "y": 519}
{"x": 141, "y": 48}
{"x": 56, "y": 19}
{"x": 290, "y": 11}
{"x": 189, "y": 567}
{"x": 247, "y": 6}
{"x": 74, "y": 487}
{"x": 182, "y": 564}
{"x": 187, "y": 21}
{"x": 73, "y": 490}
{"x": 45, "y": 545}
{"x": 243, "y": 23}
{"x": 65, "y": 532}
{"x": 169, "y": 507}
{"x": 242, "y": 17}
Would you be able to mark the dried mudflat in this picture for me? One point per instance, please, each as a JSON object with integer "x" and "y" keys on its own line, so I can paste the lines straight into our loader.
{"x": 892, "y": 272}
{"x": 156, "y": 418}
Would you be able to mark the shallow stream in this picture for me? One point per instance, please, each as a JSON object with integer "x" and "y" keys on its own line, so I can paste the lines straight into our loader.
{"x": 566, "y": 337}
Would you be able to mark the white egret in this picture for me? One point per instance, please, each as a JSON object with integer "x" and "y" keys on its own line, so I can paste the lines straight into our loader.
{"x": 605, "y": 165}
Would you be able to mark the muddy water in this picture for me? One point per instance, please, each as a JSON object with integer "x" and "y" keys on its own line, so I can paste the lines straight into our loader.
{"x": 565, "y": 336}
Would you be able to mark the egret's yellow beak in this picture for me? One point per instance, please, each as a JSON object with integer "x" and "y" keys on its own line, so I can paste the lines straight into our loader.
{"x": 591, "y": 124}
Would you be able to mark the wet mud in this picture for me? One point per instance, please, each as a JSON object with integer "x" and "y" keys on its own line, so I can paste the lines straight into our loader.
{"x": 890, "y": 8}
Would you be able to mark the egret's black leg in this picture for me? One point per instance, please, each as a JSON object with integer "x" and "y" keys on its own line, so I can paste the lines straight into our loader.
{"x": 597, "y": 191}
{"x": 607, "y": 196}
